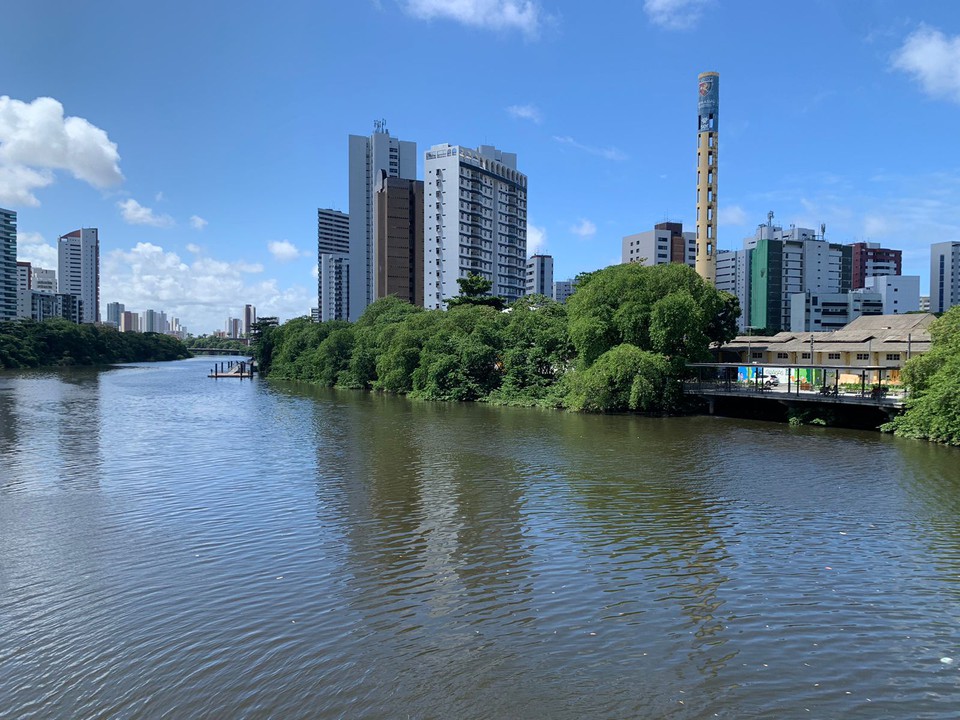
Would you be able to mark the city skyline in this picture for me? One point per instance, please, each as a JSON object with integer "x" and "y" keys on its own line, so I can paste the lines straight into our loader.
{"x": 205, "y": 191}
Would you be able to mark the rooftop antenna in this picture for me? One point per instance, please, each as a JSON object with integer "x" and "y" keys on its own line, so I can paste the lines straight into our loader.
{"x": 770, "y": 218}
{"x": 823, "y": 231}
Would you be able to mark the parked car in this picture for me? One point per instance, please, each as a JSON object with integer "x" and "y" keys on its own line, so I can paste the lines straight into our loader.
{"x": 771, "y": 380}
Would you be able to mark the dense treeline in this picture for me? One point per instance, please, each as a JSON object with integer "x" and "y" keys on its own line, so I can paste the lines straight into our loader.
{"x": 26, "y": 344}
{"x": 933, "y": 379}
{"x": 215, "y": 341}
{"x": 620, "y": 343}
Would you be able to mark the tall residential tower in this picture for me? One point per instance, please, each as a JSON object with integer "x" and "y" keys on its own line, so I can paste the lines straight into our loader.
{"x": 708, "y": 121}
{"x": 8, "y": 264}
{"x": 368, "y": 157}
{"x": 333, "y": 265}
{"x": 79, "y": 272}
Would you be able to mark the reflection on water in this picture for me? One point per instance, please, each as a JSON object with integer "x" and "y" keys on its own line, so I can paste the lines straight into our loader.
{"x": 174, "y": 546}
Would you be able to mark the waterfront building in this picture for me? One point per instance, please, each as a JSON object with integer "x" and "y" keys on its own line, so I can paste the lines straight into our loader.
{"x": 475, "y": 221}
{"x": 232, "y": 328}
{"x": 900, "y": 293}
{"x": 79, "y": 270}
{"x": 315, "y": 314}
{"x": 399, "y": 238}
{"x": 563, "y": 289}
{"x": 540, "y": 275}
{"x": 876, "y": 341}
{"x": 129, "y": 321}
{"x": 8, "y": 264}
{"x": 334, "y": 283}
{"x": 944, "y": 276}
{"x": 708, "y": 128}
{"x": 114, "y": 310}
{"x": 368, "y": 157}
{"x": 43, "y": 279}
{"x": 666, "y": 243}
{"x": 23, "y": 288}
{"x": 333, "y": 241}
{"x": 249, "y": 318}
{"x": 823, "y": 312}
{"x": 870, "y": 260}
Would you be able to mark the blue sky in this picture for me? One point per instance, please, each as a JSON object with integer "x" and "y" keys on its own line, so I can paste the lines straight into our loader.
{"x": 201, "y": 137}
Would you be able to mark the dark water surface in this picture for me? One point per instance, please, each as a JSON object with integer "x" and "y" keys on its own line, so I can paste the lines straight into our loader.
{"x": 178, "y": 547}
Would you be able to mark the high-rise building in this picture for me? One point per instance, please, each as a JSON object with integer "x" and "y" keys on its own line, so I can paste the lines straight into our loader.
{"x": 368, "y": 157}
{"x": 333, "y": 244}
{"x": 129, "y": 321}
{"x": 733, "y": 276}
{"x": 114, "y": 310}
{"x": 24, "y": 283}
{"x": 871, "y": 260}
{"x": 233, "y": 327}
{"x": 666, "y": 243}
{"x": 944, "y": 276}
{"x": 399, "y": 224}
{"x": 563, "y": 289}
{"x": 249, "y": 318}
{"x": 8, "y": 264}
{"x": 475, "y": 221}
{"x": 540, "y": 275}
{"x": 79, "y": 270}
{"x": 787, "y": 262}
{"x": 708, "y": 125}
{"x": 43, "y": 280}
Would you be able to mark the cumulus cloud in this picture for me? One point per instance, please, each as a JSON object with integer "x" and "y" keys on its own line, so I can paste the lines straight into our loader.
{"x": 609, "y": 153}
{"x": 523, "y": 15}
{"x": 202, "y": 292}
{"x": 731, "y": 215}
{"x": 36, "y": 139}
{"x": 526, "y": 112}
{"x": 933, "y": 60}
{"x": 197, "y": 222}
{"x": 136, "y": 214}
{"x": 193, "y": 248}
{"x": 584, "y": 228}
{"x": 674, "y": 14}
{"x": 536, "y": 239}
{"x": 32, "y": 248}
{"x": 283, "y": 250}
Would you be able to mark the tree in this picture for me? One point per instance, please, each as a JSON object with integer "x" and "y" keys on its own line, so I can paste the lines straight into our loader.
{"x": 475, "y": 290}
{"x": 624, "y": 378}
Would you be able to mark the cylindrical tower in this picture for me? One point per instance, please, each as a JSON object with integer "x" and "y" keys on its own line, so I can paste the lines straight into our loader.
{"x": 708, "y": 121}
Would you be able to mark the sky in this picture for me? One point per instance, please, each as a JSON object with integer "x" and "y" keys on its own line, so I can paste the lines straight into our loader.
{"x": 201, "y": 137}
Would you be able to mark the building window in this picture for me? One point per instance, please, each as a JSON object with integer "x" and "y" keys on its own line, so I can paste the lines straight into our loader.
{"x": 833, "y": 356}
{"x": 893, "y": 356}
{"x": 756, "y": 355}
{"x": 805, "y": 356}
{"x": 863, "y": 356}
{"x": 782, "y": 356}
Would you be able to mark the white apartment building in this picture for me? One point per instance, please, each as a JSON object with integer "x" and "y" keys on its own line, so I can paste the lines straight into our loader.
{"x": 369, "y": 158}
{"x": 944, "y": 276}
{"x": 475, "y": 221}
{"x": 540, "y": 275}
{"x": 826, "y": 312}
{"x": 79, "y": 270}
{"x": 43, "y": 280}
{"x": 733, "y": 276}
{"x": 900, "y": 293}
{"x": 8, "y": 264}
{"x": 333, "y": 244}
{"x": 664, "y": 244}
{"x": 563, "y": 289}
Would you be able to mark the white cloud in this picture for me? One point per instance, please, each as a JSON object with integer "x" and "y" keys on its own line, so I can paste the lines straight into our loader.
{"x": 522, "y": 15}
{"x": 731, "y": 215}
{"x": 158, "y": 197}
{"x": 197, "y": 222}
{"x": 36, "y": 139}
{"x": 32, "y": 248}
{"x": 526, "y": 112}
{"x": 136, "y": 214}
{"x": 610, "y": 153}
{"x": 283, "y": 250}
{"x": 195, "y": 249}
{"x": 875, "y": 226}
{"x": 315, "y": 271}
{"x": 202, "y": 293}
{"x": 674, "y": 14}
{"x": 536, "y": 239}
{"x": 933, "y": 59}
{"x": 584, "y": 228}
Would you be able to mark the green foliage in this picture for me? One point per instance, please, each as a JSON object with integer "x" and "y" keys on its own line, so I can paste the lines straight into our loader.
{"x": 25, "y": 343}
{"x": 933, "y": 379}
{"x": 475, "y": 290}
{"x": 666, "y": 308}
{"x": 621, "y": 343}
{"x": 216, "y": 342}
{"x": 624, "y": 378}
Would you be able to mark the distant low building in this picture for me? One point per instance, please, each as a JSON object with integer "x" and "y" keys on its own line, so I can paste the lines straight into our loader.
{"x": 823, "y": 312}
{"x": 563, "y": 289}
{"x": 666, "y": 243}
{"x": 540, "y": 275}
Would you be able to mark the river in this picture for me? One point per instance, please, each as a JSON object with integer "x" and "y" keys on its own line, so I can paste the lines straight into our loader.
{"x": 173, "y": 546}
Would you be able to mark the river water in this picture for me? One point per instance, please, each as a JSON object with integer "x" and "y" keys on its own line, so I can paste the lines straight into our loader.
{"x": 173, "y": 546}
